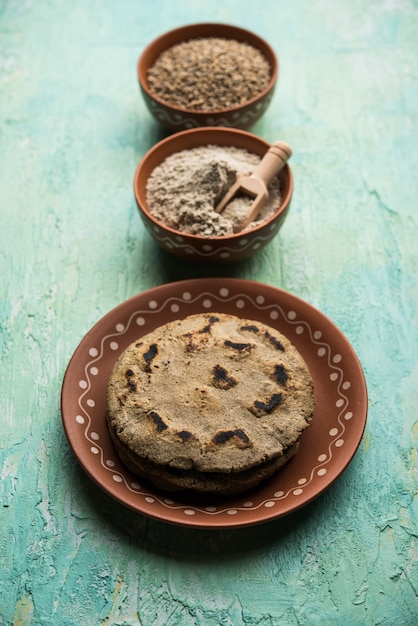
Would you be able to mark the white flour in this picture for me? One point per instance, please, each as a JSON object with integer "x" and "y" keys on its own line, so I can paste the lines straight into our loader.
{"x": 183, "y": 190}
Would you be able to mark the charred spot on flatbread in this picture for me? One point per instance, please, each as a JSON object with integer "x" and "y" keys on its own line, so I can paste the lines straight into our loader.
{"x": 252, "y": 328}
{"x": 267, "y": 406}
{"x": 222, "y": 378}
{"x": 158, "y": 421}
{"x": 186, "y": 435}
{"x": 207, "y": 327}
{"x": 280, "y": 375}
{"x": 239, "y": 346}
{"x": 130, "y": 381}
{"x": 195, "y": 340}
{"x": 149, "y": 356}
{"x": 274, "y": 341}
{"x": 238, "y": 435}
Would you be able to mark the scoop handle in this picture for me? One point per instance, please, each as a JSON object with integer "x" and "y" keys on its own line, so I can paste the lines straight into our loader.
{"x": 272, "y": 162}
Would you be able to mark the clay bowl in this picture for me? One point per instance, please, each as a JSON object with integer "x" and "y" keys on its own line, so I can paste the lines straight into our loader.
{"x": 175, "y": 118}
{"x": 225, "y": 249}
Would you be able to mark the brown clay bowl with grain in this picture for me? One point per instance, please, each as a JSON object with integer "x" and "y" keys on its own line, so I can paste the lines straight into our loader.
{"x": 220, "y": 249}
{"x": 176, "y": 117}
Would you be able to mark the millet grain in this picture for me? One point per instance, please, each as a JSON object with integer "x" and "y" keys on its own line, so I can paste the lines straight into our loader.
{"x": 209, "y": 74}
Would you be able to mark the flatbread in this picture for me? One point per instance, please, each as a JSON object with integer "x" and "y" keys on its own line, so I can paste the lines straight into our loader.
{"x": 211, "y": 394}
{"x": 219, "y": 483}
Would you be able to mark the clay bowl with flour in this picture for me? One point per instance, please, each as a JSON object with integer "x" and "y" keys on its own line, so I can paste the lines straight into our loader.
{"x": 247, "y": 61}
{"x": 210, "y": 249}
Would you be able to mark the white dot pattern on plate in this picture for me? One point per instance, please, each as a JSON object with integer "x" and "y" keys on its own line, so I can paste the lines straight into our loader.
{"x": 208, "y": 301}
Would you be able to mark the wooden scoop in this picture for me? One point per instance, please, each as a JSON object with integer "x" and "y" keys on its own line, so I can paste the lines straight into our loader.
{"x": 255, "y": 185}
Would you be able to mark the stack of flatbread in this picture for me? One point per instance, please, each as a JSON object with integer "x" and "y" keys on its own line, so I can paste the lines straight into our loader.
{"x": 211, "y": 403}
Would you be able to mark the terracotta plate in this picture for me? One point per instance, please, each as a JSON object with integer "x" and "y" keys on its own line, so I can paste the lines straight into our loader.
{"x": 326, "y": 448}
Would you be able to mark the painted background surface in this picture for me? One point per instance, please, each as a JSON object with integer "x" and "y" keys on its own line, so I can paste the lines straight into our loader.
{"x": 72, "y": 130}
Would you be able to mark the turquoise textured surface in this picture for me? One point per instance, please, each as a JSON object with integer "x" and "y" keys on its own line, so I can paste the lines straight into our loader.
{"x": 73, "y": 127}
